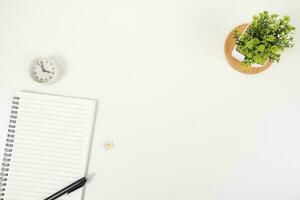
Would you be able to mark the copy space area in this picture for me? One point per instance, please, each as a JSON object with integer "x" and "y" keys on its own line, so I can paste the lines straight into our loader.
{"x": 185, "y": 125}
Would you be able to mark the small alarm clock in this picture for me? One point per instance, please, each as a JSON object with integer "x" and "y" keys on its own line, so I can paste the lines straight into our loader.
{"x": 44, "y": 70}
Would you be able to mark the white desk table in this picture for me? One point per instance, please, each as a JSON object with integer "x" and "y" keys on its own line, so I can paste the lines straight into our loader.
{"x": 185, "y": 125}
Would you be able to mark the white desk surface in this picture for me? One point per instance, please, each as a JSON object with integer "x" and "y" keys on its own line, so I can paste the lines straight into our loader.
{"x": 184, "y": 123}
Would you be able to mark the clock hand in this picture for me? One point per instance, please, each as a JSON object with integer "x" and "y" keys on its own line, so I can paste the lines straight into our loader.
{"x": 47, "y": 71}
{"x": 43, "y": 68}
{"x": 39, "y": 64}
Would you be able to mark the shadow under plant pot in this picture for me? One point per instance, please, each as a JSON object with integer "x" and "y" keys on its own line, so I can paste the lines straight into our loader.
{"x": 235, "y": 58}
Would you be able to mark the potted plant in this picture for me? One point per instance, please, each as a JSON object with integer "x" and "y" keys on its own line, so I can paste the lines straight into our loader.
{"x": 265, "y": 38}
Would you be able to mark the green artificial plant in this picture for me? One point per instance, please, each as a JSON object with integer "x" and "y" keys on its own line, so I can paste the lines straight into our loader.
{"x": 266, "y": 38}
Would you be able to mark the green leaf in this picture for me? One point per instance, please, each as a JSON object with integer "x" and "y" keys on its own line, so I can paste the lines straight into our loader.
{"x": 249, "y": 45}
{"x": 275, "y": 49}
{"x": 286, "y": 18}
{"x": 261, "y": 48}
{"x": 257, "y": 59}
{"x": 249, "y": 54}
{"x": 270, "y": 38}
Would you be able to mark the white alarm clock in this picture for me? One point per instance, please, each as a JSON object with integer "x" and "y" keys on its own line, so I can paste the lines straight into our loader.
{"x": 44, "y": 70}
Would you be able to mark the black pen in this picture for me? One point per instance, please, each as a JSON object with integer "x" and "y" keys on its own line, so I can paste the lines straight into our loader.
{"x": 67, "y": 190}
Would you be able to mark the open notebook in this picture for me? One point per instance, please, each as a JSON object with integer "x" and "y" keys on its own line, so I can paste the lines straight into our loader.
{"x": 47, "y": 146}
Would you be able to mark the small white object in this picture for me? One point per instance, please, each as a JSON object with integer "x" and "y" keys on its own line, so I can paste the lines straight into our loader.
{"x": 108, "y": 145}
{"x": 44, "y": 70}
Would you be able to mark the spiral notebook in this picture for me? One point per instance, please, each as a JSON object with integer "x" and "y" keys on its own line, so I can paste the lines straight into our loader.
{"x": 47, "y": 145}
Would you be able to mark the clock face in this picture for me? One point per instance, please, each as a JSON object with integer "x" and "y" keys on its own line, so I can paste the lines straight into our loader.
{"x": 43, "y": 70}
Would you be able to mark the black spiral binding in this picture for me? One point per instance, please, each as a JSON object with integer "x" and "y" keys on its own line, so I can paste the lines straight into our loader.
{"x": 8, "y": 146}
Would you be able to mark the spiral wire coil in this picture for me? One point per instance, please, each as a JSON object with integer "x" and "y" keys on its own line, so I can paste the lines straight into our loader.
{"x": 8, "y": 146}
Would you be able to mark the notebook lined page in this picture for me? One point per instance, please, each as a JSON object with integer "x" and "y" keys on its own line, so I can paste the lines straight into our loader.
{"x": 51, "y": 145}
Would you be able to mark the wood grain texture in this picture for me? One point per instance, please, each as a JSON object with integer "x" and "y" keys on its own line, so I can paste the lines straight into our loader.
{"x": 236, "y": 64}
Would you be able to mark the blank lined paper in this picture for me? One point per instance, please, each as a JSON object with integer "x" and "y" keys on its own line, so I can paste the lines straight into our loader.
{"x": 51, "y": 145}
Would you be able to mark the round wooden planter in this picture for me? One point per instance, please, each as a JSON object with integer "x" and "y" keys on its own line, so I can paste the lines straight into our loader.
{"x": 236, "y": 64}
